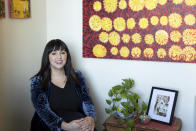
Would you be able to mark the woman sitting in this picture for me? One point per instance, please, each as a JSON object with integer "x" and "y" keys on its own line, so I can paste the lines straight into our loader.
{"x": 59, "y": 93}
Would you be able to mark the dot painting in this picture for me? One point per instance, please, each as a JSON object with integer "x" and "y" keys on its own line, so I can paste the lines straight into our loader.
{"x": 150, "y": 30}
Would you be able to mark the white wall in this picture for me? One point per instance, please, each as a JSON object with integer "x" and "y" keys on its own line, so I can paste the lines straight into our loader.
{"x": 64, "y": 20}
{"x": 21, "y": 46}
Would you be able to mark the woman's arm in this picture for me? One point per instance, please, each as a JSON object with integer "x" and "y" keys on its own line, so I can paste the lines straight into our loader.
{"x": 41, "y": 105}
{"x": 88, "y": 106}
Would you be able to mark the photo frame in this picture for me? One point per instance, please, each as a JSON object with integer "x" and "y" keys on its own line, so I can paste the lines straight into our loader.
{"x": 19, "y": 9}
{"x": 162, "y": 104}
{"x": 2, "y": 8}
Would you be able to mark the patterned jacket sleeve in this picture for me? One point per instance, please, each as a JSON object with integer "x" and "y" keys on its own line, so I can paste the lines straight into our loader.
{"x": 40, "y": 102}
{"x": 88, "y": 106}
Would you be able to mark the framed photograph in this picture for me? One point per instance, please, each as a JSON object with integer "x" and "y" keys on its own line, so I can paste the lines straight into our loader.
{"x": 19, "y": 9}
{"x": 162, "y": 104}
{"x": 2, "y": 8}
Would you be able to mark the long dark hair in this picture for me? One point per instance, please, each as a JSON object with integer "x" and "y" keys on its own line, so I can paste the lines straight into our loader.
{"x": 45, "y": 71}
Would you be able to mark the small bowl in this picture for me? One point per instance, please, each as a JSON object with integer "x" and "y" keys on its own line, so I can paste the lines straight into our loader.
{"x": 144, "y": 119}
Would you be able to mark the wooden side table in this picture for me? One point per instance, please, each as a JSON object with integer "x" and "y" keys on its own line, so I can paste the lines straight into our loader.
{"x": 111, "y": 124}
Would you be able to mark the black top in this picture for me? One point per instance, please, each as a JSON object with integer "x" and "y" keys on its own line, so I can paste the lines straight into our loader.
{"x": 65, "y": 102}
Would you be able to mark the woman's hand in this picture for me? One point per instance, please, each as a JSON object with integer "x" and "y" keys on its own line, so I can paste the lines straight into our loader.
{"x": 71, "y": 126}
{"x": 83, "y": 124}
{"x": 87, "y": 124}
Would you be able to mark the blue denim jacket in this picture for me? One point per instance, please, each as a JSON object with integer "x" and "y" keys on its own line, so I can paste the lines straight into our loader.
{"x": 40, "y": 102}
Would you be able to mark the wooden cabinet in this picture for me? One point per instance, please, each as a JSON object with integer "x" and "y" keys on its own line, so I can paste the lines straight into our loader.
{"x": 111, "y": 125}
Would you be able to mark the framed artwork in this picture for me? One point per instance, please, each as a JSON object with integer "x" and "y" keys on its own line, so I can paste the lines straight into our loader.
{"x": 162, "y": 104}
{"x": 19, "y": 9}
{"x": 2, "y": 8}
{"x": 147, "y": 30}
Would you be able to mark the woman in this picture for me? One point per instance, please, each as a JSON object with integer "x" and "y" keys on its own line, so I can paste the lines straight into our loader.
{"x": 59, "y": 93}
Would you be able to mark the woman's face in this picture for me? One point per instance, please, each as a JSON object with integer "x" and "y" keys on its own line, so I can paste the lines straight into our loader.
{"x": 58, "y": 59}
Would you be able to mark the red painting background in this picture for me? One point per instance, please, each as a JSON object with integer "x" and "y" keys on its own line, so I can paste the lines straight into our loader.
{"x": 91, "y": 38}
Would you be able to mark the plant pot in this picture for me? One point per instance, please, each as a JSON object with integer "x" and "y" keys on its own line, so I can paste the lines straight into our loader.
{"x": 121, "y": 116}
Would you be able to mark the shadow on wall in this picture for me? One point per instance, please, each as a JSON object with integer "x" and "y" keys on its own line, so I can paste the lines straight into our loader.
{"x": 19, "y": 111}
{"x": 94, "y": 97}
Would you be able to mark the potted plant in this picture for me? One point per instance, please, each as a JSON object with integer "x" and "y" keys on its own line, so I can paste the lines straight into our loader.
{"x": 124, "y": 103}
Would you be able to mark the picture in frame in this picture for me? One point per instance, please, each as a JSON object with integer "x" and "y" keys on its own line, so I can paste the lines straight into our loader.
{"x": 162, "y": 104}
{"x": 19, "y": 9}
{"x": 2, "y": 8}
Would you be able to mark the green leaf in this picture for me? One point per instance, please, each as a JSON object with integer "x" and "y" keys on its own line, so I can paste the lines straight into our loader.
{"x": 114, "y": 108}
{"x": 118, "y": 87}
{"x": 118, "y": 99}
{"x": 132, "y": 82}
{"x": 124, "y": 104}
{"x": 126, "y": 83}
{"x": 126, "y": 114}
{"x": 108, "y": 102}
{"x": 131, "y": 109}
{"x": 144, "y": 107}
{"x": 123, "y": 95}
{"x": 130, "y": 97}
{"x": 136, "y": 104}
{"x": 127, "y": 129}
{"x": 136, "y": 107}
{"x": 136, "y": 96}
{"x": 131, "y": 122}
{"x": 110, "y": 93}
{"x": 108, "y": 111}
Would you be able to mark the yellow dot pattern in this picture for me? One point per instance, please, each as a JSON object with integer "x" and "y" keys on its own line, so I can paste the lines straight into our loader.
{"x": 189, "y": 19}
{"x": 114, "y": 50}
{"x": 122, "y": 4}
{"x": 136, "y": 5}
{"x": 190, "y": 2}
{"x": 151, "y": 4}
{"x": 95, "y": 23}
{"x": 136, "y": 38}
{"x": 97, "y": 6}
{"x": 177, "y": 1}
{"x": 154, "y": 20}
{"x": 175, "y": 52}
{"x": 175, "y": 36}
{"x": 136, "y": 52}
{"x": 149, "y": 39}
{"x": 175, "y": 20}
{"x": 131, "y": 23}
{"x": 161, "y": 53}
{"x": 106, "y": 24}
{"x": 189, "y": 36}
{"x": 162, "y": 2}
{"x": 124, "y": 52}
{"x": 188, "y": 54}
{"x": 143, "y": 23}
{"x": 148, "y": 53}
{"x": 161, "y": 37}
{"x": 163, "y": 20}
{"x": 114, "y": 38}
{"x": 99, "y": 50}
{"x": 103, "y": 37}
{"x": 119, "y": 24}
{"x": 125, "y": 38}
{"x": 110, "y": 6}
